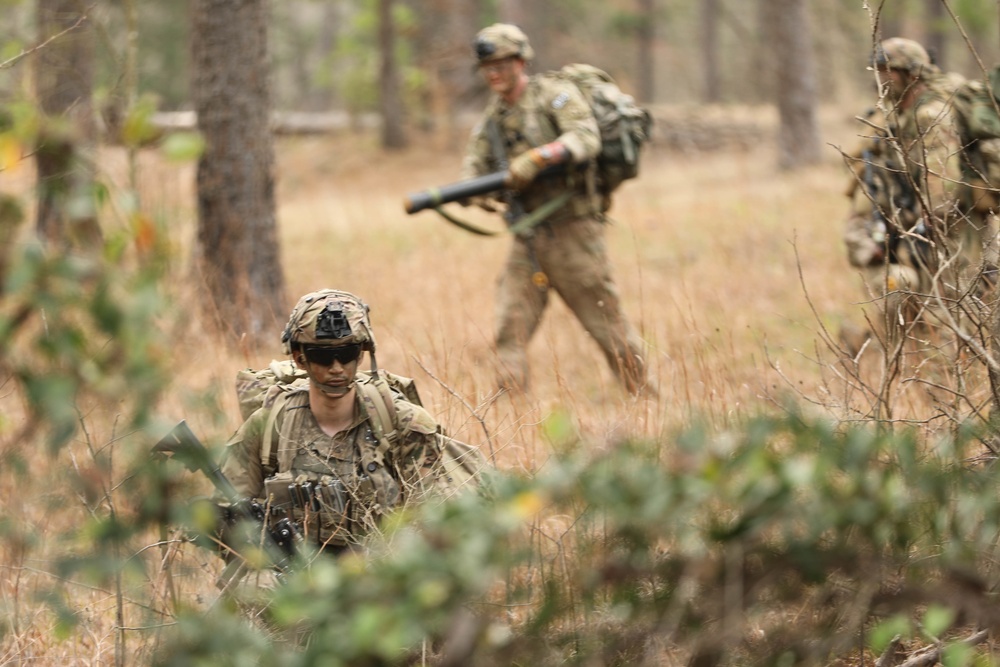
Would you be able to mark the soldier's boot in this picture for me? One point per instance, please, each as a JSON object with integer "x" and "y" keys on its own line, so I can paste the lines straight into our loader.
{"x": 632, "y": 375}
{"x": 512, "y": 371}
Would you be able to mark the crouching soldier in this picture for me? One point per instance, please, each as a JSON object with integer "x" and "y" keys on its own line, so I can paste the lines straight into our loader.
{"x": 331, "y": 449}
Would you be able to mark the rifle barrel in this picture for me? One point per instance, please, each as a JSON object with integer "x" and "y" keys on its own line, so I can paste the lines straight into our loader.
{"x": 445, "y": 194}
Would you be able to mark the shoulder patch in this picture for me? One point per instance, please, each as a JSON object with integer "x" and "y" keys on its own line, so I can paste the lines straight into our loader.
{"x": 560, "y": 101}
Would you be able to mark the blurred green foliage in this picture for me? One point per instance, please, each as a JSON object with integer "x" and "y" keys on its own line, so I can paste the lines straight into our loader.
{"x": 706, "y": 545}
{"x": 356, "y": 58}
{"x": 75, "y": 327}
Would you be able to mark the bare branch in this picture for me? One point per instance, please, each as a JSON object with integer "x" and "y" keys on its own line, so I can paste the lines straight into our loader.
{"x": 931, "y": 655}
{"x": 7, "y": 64}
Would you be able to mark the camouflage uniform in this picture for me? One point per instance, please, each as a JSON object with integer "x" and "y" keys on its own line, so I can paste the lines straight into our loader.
{"x": 567, "y": 251}
{"x": 370, "y": 483}
{"x": 355, "y": 480}
{"x": 919, "y": 149}
{"x": 881, "y": 206}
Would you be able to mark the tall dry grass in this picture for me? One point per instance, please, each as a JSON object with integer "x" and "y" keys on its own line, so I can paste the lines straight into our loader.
{"x": 722, "y": 261}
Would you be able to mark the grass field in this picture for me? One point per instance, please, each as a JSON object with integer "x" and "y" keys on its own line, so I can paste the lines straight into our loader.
{"x": 729, "y": 269}
{"x": 707, "y": 251}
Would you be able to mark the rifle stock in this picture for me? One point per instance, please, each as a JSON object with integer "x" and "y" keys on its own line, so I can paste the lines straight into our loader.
{"x": 446, "y": 194}
{"x": 184, "y": 446}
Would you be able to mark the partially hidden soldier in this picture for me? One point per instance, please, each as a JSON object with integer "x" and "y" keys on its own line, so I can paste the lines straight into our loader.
{"x": 883, "y": 207}
{"x": 917, "y": 155}
{"x": 337, "y": 449}
{"x": 531, "y": 123}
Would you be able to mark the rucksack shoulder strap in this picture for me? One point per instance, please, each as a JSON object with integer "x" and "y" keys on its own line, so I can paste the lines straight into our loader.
{"x": 277, "y": 400}
{"x": 377, "y": 398}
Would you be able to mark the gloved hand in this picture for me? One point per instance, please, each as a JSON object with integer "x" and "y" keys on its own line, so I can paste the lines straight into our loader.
{"x": 488, "y": 204}
{"x": 524, "y": 168}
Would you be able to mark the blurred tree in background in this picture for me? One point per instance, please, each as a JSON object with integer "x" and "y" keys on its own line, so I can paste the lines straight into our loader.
{"x": 794, "y": 62}
{"x": 239, "y": 255}
{"x": 325, "y": 53}
{"x": 64, "y": 155}
{"x": 390, "y": 93}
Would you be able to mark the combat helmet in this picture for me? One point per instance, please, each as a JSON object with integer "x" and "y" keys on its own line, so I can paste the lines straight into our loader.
{"x": 502, "y": 40}
{"x": 903, "y": 54}
{"x": 329, "y": 317}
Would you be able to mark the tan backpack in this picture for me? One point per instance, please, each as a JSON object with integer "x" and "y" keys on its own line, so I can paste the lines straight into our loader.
{"x": 625, "y": 126}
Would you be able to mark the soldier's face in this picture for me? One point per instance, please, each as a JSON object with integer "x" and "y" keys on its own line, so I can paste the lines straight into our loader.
{"x": 894, "y": 82}
{"x": 503, "y": 76}
{"x": 331, "y": 369}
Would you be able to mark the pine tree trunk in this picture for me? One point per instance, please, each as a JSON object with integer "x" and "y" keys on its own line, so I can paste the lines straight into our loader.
{"x": 237, "y": 233}
{"x": 390, "y": 99}
{"x": 64, "y": 75}
{"x": 646, "y": 89}
{"x": 798, "y": 136}
{"x": 710, "y": 50}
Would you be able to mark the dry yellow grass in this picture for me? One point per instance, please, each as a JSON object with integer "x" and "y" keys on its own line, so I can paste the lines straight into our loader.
{"x": 707, "y": 249}
{"x": 704, "y": 248}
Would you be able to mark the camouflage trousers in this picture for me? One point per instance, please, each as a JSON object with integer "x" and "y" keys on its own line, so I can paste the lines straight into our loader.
{"x": 573, "y": 257}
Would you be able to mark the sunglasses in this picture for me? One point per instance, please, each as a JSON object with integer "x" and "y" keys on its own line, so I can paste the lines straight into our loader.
{"x": 496, "y": 66}
{"x": 325, "y": 356}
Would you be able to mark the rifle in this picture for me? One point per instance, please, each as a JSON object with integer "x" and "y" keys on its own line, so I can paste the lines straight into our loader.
{"x": 452, "y": 192}
{"x": 279, "y": 538}
{"x": 494, "y": 182}
{"x": 879, "y": 226}
{"x": 518, "y": 221}
{"x": 902, "y": 198}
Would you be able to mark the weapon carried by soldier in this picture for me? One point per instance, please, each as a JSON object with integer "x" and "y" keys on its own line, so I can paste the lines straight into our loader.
{"x": 901, "y": 235}
{"x": 256, "y": 524}
{"x": 452, "y": 192}
{"x": 496, "y": 182}
{"x": 879, "y": 229}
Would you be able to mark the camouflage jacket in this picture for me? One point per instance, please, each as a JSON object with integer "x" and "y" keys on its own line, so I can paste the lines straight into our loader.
{"x": 930, "y": 142}
{"x": 359, "y": 481}
{"x": 548, "y": 110}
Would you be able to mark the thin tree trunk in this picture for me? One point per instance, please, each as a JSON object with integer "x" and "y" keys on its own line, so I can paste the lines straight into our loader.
{"x": 798, "y": 136}
{"x": 390, "y": 99}
{"x": 934, "y": 41}
{"x": 512, "y": 11}
{"x": 710, "y": 50}
{"x": 763, "y": 89}
{"x": 64, "y": 157}
{"x": 646, "y": 90}
{"x": 237, "y": 233}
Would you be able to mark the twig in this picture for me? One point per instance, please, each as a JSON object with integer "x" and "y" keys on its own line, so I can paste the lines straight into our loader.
{"x": 932, "y": 654}
{"x": 473, "y": 411}
{"x": 23, "y": 54}
{"x": 888, "y": 657}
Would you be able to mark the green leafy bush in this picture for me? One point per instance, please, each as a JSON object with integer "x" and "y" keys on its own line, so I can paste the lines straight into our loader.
{"x": 788, "y": 542}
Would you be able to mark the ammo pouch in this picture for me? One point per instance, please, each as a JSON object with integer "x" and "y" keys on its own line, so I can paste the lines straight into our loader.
{"x": 326, "y": 512}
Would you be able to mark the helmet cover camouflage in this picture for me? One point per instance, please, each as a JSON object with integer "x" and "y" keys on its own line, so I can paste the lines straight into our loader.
{"x": 502, "y": 40}
{"x": 903, "y": 54}
{"x": 328, "y": 317}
